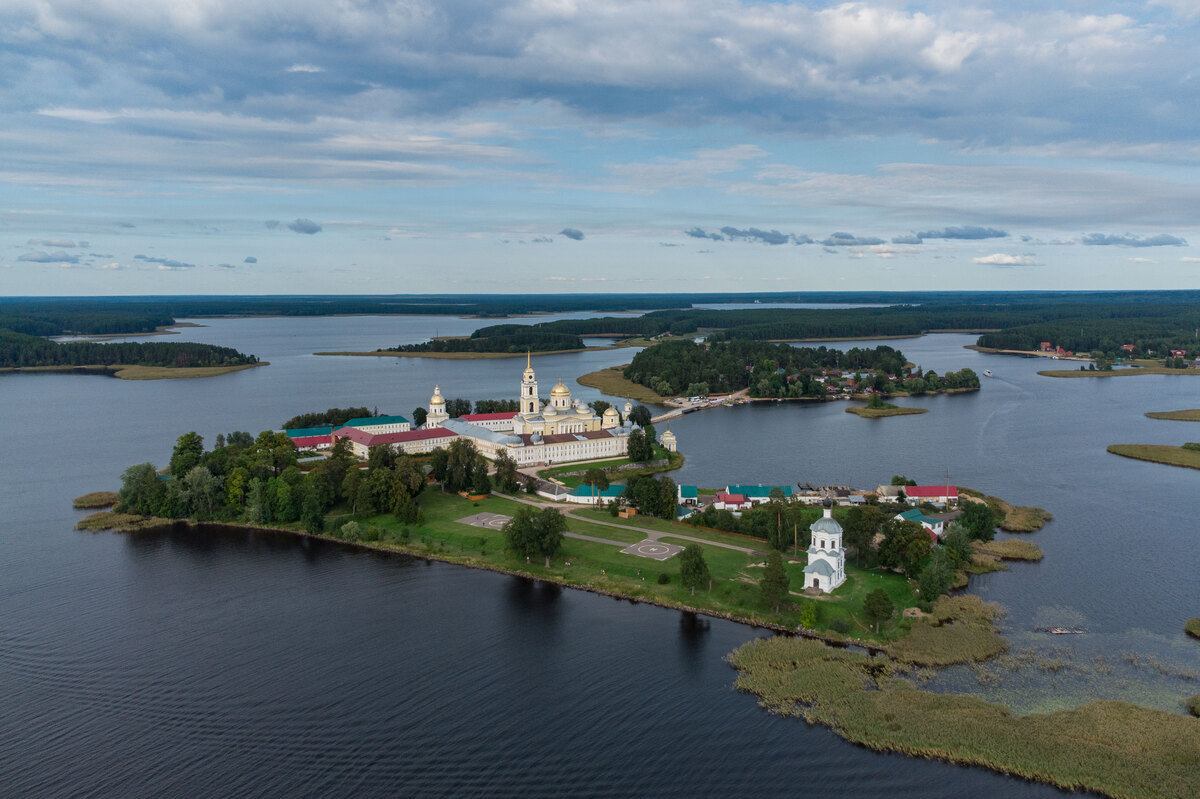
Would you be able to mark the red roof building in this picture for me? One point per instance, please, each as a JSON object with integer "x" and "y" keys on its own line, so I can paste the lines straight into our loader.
{"x": 932, "y": 493}
{"x": 409, "y": 442}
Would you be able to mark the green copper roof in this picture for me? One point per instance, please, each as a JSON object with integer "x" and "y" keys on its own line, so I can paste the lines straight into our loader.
{"x": 372, "y": 421}
{"x": 758, "y": 491}
{"x": 305, "y": 432}
{"x": 689, "y": 492}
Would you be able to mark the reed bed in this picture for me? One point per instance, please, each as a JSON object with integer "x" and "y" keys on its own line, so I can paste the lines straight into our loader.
{"x": 96, "y": 499}
{"x": 961, "y": 629}
{"x": 1010, "y": 549}
{"x": 120, "y": 522}
{"x": 1114, "y": 748}
{"x": 1192, "y": 627}
{"x": 1013, "y": 518}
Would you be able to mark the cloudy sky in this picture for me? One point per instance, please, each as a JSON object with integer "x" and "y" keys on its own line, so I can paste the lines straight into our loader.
{"x": 376, "y": 146}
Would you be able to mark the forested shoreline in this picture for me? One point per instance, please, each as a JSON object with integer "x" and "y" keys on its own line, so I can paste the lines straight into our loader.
{"x": 18, "y": 350}
{"x": 781, "y": 371}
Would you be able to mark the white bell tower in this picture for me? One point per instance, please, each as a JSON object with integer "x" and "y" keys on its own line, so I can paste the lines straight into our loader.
{"x": 529, "y": 389}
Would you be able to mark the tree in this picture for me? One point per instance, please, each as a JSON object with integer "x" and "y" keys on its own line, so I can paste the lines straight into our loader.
{"x": 189, "y": 449}
{"x": 381, "y": 456}
{"x": 957, "y": 542}
{"x": 774, "y": 583}
{"x": 204, "y": 492}
{"x": 480, "y": 482}
{"x": 531, "y": 532}
{"x": 693, "y": 570}
{"x": 877, "y": 607}
{"x": 979, "y": 520}
{"x": 935, "y": 576}
{"x": 312, "y": 514}
{"x": 901, "y": 480}
{"x": 419, "y": 415}
{"x": 641, "y": 448}
{"x": 141, "y": 491}
{"x": 861, "y": 527}
{"x": 905, "y": 544}
{"x": 640, "y": 415}
{"x": 507, "y": 477}
{"x": 597, "y": 478}
{"x": 549, "y": 526}
{"x": 460, "y": 462}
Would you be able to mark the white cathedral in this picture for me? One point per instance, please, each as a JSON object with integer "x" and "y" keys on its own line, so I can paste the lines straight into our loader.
{"x": 561, "y": 430}
{"x": 826, "y": 568}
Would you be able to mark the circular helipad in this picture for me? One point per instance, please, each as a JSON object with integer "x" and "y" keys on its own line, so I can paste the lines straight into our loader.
{"x": 655, "y": 550}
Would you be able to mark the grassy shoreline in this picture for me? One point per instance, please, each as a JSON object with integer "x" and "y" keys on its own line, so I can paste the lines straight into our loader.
{"x": 1192, "y": 627}
{"x": 612, "y": 381}
{"x": 1013, "y": 518}
{"x": 96, "y": 499}
{"x": 137, "y": 372}
{"x": 1176, "y": 416}
{"x": 1158, "y": 453}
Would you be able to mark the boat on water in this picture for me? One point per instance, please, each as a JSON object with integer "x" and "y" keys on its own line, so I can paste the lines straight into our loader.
{"x": 987, "y": 372}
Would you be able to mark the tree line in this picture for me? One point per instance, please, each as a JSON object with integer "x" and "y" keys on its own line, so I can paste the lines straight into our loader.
{"x": 19, "y": 349}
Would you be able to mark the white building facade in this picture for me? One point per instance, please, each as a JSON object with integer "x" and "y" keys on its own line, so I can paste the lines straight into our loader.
{"x": 826, "y": 568}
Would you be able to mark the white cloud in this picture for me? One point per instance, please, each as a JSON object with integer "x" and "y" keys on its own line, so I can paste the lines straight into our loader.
{"x": 1189, "y": 259}
{"x": 304, "y": 68}
{"x": 1004, "y": 259}
{"x": 1142, "y": 261}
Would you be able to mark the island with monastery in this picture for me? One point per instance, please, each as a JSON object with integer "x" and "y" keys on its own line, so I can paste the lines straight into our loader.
{"x": 579, "y": 494}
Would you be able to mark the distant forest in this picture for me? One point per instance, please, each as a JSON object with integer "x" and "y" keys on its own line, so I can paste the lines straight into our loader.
{"x": 19, "y": 350}
{"x": 778, "y": 370}
{"x": 1102, "y": 322}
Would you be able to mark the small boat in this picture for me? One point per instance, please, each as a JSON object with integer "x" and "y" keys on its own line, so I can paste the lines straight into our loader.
{"x": 987, "y": 372}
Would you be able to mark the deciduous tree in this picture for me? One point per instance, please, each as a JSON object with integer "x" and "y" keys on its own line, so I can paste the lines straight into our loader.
{"x": 774, "y": 583}
{"x": 693, "y": 570}
{"x": 877, "y": 607}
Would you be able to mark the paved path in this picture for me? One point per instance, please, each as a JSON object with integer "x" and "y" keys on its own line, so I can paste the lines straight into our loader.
{"x": 650, "y": 534}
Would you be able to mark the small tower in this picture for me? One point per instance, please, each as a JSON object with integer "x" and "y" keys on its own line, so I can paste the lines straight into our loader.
{"x": 529, "y": 389}
{"x": 826, "y": 568}
{"x": 611, "y": 418}
{"x": 667, "y": 439}
{"x": 628, "y": 408}
{"x": 437, "y": 410}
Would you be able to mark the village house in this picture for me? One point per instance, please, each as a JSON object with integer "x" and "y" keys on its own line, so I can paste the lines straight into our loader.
{"x": 935, "y": 527}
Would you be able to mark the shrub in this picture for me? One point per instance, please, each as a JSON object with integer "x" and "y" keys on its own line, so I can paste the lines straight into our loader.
{"x": 664, "y": 578}
{"x": 1193, "y": 705}
{"x": 839, "y": 625}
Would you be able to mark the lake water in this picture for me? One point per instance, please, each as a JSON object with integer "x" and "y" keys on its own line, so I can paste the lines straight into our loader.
{"x": 225, "y": 664}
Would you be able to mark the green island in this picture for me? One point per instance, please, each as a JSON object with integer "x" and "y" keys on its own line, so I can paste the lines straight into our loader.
{"x": 25, "y": 352}
{"x": 896, "y": 602}
{"x": 1176, "y": 416}
{"x": 876, "y": 408}
{"x": 1140, "y": 366}
{"x": 1193, "y": 627}
{"x": 1187, "y": 455}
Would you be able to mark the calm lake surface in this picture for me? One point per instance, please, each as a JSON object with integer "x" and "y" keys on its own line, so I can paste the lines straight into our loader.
{"x": 230, "y": 664}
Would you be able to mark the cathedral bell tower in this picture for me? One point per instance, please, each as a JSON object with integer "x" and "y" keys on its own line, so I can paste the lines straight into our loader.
{"x": 529, "y": 389}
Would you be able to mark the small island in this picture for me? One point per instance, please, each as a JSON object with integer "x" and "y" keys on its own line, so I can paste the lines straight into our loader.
{"x": 1187, "y": 455}
{"x": 1193, "y": 627}
{"x": 1177, "y": 416}
{"x": 876, "y": 408}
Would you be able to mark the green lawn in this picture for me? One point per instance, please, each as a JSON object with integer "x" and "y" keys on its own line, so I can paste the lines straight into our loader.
{"x": 559, "y": 473}
{"x": 602, "y": 567}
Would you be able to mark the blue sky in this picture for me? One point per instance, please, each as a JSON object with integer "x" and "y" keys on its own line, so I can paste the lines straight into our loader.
{"x": 577, "y": 145}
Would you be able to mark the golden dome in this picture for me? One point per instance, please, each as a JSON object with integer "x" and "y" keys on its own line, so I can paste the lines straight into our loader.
{"x": 611, "y": 411}
{"x": 560, "y": 390}
{"x": 437, "y": 398}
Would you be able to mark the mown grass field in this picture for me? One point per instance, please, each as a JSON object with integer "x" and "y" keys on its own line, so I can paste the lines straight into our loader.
{"x": 735, "y": 591}
{"x": 1177, "y": 416}
{"x": 1158, "y": 453}
{"x": 1114, "y": 748}
{"x": 562, "y": 473}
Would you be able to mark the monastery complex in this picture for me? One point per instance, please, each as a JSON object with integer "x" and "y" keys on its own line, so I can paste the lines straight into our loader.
{"x": 558, "y": 431}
